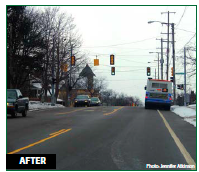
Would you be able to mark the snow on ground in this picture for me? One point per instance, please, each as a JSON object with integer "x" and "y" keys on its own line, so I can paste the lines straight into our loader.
{"x": 188, "y": 113}
{"x": 36, "y": 105}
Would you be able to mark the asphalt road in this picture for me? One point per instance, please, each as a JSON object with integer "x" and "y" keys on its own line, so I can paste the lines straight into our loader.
{"x": 104, "y": 138}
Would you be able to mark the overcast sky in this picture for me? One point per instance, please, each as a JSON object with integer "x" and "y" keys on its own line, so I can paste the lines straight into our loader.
{"x": 124, "y": 31}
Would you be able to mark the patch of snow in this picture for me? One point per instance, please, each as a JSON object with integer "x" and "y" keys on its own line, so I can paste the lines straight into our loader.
{"x": 36, "y": 105}
{"x": 37, "y": 85}
{"x": 191, "y": 121}
{"x": 192, "y": 106}
{"x": 189, "y": 114}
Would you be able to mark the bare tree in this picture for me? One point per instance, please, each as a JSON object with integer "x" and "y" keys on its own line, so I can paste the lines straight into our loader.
{"x": 62, "y": 41}
{"x": 191, "y": 59}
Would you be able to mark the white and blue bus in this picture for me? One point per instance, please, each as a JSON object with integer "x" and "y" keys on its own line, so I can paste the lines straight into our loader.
{"x": 158, "y": 94}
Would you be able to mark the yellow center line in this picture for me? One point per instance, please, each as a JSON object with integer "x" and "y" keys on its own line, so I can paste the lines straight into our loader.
{"x": 115, "y": 110}
{"x": 60, "y": 131}
{"x": 183, "y": 150}
{"x": 70, "y": 111}
{"x": 36, "y": 143}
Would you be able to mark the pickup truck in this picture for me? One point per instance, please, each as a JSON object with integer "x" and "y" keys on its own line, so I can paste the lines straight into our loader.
{"x": 16, "y": 103}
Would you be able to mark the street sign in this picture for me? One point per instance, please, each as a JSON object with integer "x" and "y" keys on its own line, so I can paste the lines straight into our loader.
{"x": 181, "y": 73}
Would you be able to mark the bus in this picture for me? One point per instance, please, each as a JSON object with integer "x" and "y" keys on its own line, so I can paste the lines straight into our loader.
{"x": 158, "y": 94}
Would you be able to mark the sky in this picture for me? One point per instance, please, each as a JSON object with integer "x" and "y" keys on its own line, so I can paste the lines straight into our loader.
{"x": 124, "y": 31}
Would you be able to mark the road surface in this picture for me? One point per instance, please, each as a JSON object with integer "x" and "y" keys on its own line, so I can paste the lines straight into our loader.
{"x": 104, "y": 138}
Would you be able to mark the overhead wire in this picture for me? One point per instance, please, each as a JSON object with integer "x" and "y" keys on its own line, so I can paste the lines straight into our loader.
{"x": 182, "y": 16}
{"x": 121, "y": 43}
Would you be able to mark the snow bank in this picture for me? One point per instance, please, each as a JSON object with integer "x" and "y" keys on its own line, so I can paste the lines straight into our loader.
{"x": 36, "y": 105}
{"x": 188, "y": 113}
{"x": 192, "y": 106}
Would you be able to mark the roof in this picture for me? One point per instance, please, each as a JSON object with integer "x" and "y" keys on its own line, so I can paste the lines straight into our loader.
{"x": 159, "y": 80}
{"x": 87, "y": 71}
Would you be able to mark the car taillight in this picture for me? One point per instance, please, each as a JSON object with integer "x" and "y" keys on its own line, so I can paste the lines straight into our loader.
{"x": 146, "y": 97}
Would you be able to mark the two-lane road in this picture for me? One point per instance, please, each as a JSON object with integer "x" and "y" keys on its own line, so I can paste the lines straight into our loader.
{"x": 104, "y": 138}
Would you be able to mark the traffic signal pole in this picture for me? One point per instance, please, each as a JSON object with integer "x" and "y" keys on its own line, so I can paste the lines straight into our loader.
{"x": 161, "y": 61}
{"x": 185, "y": 86}
{"x": 174, "y": 80}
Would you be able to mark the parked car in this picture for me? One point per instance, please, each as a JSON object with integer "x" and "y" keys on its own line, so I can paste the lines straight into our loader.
{"x": 16, "y": 103}
{"x": 95, "y": 101}
{"x": 82, "y": 100}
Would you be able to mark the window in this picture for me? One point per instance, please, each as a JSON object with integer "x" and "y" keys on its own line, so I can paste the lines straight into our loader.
{"x": 163, "y": 86}
{"x": 155, "y": 85}
{"x": 82, "y": 97}
{"x": 11, "y": 94}
{"x": 94, "y": 99}
{"x": 159, "y": 85}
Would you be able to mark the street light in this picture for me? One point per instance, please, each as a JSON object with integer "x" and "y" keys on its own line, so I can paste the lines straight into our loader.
{"x": 149, "y": 22}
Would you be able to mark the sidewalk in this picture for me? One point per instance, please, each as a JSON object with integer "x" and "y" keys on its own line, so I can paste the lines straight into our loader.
{"x": 188, "y": 113}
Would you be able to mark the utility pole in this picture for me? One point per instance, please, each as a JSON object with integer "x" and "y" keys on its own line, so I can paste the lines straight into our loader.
{"x": 167, "y": 71}
{"x": 185, "y": 93}
{"x": 162, "y": 60}
{"x": 158, "y": 64}
{"x": 70, "y": 83}
{"x": 53, "y": 94}
{"x": 174, "y": 80}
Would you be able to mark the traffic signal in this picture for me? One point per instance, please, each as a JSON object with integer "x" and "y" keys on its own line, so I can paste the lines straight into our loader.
{"x": 65, "y": 68}
{"x": 96, "y": 62}
{"x": 72, "y": 60}
{"x": 180, "y": 86}
{"x": 171, "y": 71}
{"x": 112, "y": 70}
{"x": 171, "y": 79}
{"x": 112, "y": 59}
{"x": 148, "y": 71}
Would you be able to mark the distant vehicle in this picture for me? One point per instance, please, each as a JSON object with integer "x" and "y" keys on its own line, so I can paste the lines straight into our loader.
{"x": 82, "y": 100}
{"x": 16, "y": 103}
{"x": 95, "y": 101}
{"x": 158, "y": 94}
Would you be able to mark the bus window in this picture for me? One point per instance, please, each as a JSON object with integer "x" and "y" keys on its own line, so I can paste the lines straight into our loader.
{"x": 159, "y": 85}
{"x": 155, "y": 85}
{"x": 163, "y": 86}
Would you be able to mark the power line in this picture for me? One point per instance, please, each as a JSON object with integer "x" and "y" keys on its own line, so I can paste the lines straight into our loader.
{"x": 181, "y": 16}
{"x": 126, "y": 70}
{"x": 187, "y": 42}
{"x": 121, "y": 44}
{"x": 185, "y": 30}
{"x": 121, "y": 66}
{"x": 121, "y": 54}
{"x": 127, "y": 80}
